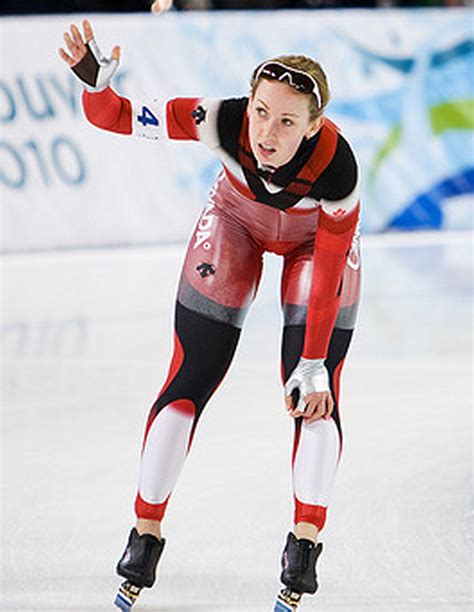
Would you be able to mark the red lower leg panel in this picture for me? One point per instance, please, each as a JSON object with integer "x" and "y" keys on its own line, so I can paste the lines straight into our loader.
{"x": 306, "y": 513}
{"x": 152, "y": 512}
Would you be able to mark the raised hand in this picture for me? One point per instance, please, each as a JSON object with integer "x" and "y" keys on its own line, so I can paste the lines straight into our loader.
{"x": 86, "y": 60}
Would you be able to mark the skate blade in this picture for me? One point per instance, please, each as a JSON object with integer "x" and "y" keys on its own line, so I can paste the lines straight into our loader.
{"x": 287, "y": 601}
{"x": 127, "y": 595}
{"x": 281, "y": 606}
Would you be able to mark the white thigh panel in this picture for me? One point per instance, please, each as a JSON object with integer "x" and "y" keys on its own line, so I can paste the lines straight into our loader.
{"x": 164, "y": 454}
{"x": 316, "y": 462}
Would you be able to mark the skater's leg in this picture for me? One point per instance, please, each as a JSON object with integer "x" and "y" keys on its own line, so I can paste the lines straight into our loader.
{"x": 203, "y": 351}
{"x": 219, "y": 280}
{"x": 316, "y": 453}
{"x": 317, "y": 446}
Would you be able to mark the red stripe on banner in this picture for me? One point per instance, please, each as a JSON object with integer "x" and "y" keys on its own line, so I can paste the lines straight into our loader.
{"x": 307, "y": 513}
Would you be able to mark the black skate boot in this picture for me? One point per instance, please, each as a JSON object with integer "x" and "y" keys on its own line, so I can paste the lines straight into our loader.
{"x": 141, "y": 556}
{"x": 298, "y": 572}
{"x": 138, "y": 566}
{"x": 299, "y": 564}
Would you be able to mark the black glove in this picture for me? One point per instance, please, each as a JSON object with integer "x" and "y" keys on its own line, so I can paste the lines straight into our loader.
{"x": 95, "y": 71}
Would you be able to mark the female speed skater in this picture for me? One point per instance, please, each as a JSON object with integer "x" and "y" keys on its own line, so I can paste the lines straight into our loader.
{"x": 289, "y": 185}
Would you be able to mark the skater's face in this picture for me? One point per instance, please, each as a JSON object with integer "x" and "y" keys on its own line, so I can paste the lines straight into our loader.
{"x": 279, "y": 119}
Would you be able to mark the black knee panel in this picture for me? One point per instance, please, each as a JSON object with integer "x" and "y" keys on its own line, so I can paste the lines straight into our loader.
{"x": 208, "y": 348}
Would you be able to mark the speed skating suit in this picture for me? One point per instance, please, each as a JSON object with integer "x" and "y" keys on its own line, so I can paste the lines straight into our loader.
{"x": 306, "y": 211}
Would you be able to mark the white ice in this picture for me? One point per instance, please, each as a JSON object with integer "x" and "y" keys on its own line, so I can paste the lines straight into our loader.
{"x": 86, "y": 339}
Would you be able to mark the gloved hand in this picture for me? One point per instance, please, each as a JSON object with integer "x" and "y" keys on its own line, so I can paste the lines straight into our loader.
{"x": 310, "y": 381}
{"x": 92, "y": 68}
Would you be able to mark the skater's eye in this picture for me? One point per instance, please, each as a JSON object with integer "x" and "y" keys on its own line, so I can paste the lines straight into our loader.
{"x": 261, "y": 112}
{"x": 287, "y": 122}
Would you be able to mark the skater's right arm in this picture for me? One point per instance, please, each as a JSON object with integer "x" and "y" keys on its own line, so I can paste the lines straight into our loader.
{"x": 177, "y": 119}
{"x": 102, "y": 106}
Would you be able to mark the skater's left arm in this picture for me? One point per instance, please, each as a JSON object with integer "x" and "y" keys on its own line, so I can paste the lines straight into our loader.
{"x": 338, "y": 221}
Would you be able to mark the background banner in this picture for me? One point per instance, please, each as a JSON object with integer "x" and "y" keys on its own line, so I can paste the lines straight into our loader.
{"x": 402, "y": 91}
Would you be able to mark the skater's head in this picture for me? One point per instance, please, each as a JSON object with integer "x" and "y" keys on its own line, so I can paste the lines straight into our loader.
{"x": 288, "y": 95}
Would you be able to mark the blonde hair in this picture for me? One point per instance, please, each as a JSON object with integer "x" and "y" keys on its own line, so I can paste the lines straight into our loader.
{"x": 305, "y": 64}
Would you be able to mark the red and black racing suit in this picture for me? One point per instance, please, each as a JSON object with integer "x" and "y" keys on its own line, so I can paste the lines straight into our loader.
{"x": 307, "y": 211}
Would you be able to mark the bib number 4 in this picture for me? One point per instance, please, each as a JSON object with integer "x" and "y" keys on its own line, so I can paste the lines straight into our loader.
{"x": 147, "y": 117}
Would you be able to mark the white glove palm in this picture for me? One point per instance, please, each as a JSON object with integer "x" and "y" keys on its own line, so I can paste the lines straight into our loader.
{"x": 309, "y": 377}
{"x": 95, "y": 71}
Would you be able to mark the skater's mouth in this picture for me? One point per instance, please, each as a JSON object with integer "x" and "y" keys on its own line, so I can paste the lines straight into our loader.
{"x": 266, "y": 150}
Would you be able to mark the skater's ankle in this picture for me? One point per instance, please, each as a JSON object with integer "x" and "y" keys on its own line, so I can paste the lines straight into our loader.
{"x": 147, "y": 526}
{"x": 306, "y": 531}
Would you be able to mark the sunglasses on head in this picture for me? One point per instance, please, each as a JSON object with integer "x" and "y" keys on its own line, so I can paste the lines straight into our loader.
{"x": 298, "y": 79}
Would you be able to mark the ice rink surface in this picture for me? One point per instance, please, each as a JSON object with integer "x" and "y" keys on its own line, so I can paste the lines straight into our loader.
{"x": 86, "y": 339}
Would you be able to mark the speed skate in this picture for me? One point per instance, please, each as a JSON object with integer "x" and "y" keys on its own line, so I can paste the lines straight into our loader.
{"x": 298, "y": 574}
{"x": 138, "y": 566}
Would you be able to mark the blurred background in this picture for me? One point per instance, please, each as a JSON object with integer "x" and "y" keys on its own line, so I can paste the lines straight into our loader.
{"x": 401, "y": 86}
{"x": 93, "y": 232}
